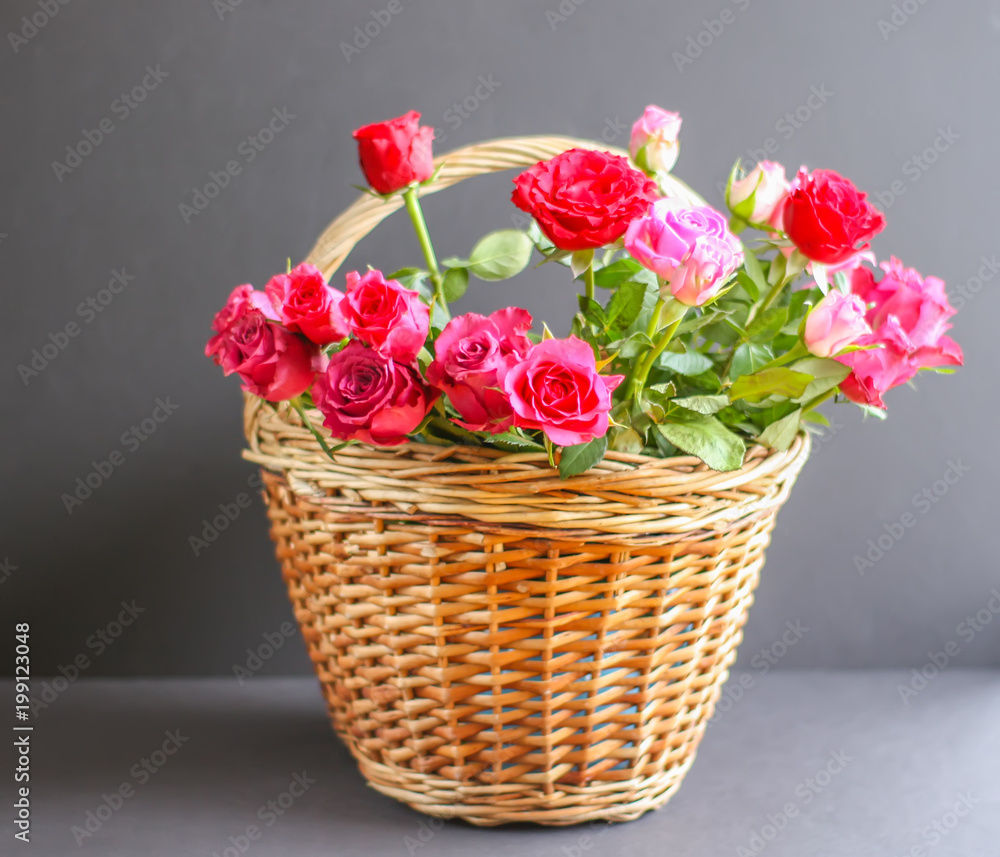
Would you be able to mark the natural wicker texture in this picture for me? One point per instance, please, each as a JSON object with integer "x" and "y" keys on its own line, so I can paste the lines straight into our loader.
{"x": 497, "y": 644}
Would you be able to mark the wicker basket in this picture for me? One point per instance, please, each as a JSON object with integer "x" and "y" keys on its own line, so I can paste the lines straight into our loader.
{"x": 494, "y": 643}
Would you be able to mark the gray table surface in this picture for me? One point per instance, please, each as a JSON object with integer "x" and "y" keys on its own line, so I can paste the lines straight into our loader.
{"x": 803, "y": 763}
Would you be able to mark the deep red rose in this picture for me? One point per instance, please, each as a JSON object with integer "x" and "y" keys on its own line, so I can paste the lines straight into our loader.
{"x": 396, "y": 153}
{"x": 367, "y": 396}
{"x": 582, "y": 198}
{"x": 307, "y": 305}
{"x": 828, "y": 218}
{"x": 272, "y": 362}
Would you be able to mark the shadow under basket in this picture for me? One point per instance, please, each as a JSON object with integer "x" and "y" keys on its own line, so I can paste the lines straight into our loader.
{"x": 500, "y": 645}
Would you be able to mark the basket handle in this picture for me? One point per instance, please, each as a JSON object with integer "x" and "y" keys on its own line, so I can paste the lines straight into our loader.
{"x": 361, "y": 217}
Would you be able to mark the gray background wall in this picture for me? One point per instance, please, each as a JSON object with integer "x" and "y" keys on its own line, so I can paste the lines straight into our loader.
{"x": 585, "y": 69}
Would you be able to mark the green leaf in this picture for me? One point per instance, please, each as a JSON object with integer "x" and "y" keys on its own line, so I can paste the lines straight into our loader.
{"x": 636, "y": 344}
{"x": 748, "y": 358}
{"x": 751, "y": 265}
{"x": 625, "y": 306}
{"x": 826, "y": 373}
{"x": 779, "y": 435}
{"x": 456, "y": 282}
{"x": 777, "y": 381}
{"x": 687, "y": 363}
{"x": 405, "y": 272}
{"x": 439, "y": 316}
{"x": 871, "y": 411}
{"x": 500, "y": 255}
{"x": 703, "y": 404}
{"x": 768, "y": 324}
{"x": 580, "y": 261}
{"x": 514, "y": 442}
{"x": 707, "y": 438}
{"x": 583, "y": 456}
{"x": 751, "y": 288}
{"x": 455, "y": 262}
{"x": 613, "y": 275}
{"x": 708, "y": 316}
{"x": 592, "y": 311}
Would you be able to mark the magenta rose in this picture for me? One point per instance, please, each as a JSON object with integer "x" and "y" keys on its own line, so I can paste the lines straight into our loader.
{"x": 307, "y": 305}
{"x": 583, "y": 199}
{"x": 908, "y": 315}
{"x": 272, "y": 362}
{"x": 386, "y": 316}
{"x": 690, "y": 248}
{"x": 834, "y": 323}
{"x": 556, "y": 388}
{"x": 470, "y": 353}
{"x": 367, "y": 396}
{"x": 242, "y": 299}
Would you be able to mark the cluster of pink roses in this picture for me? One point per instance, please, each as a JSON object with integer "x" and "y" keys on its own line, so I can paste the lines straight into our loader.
{"x": 379, "y": 367}
{"x": 371, "y": 389}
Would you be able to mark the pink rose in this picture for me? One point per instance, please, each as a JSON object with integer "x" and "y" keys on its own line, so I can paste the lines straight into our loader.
{"x": 834, "y": 323}
{"x": 908, "y": 316}
{"x": 386, "y": 316}
{"x": 556, "y": 388}
{"x": 307, "y": 305}
{"x": 272, "y": 362}
{"x": 759, "y": 196}
{"x": 470, "y": 352}
{"x": 367, "y": 396}
{"x": 691, "y": 249}
{"x": 241, "y": 299}
{"x": 654, "y": 145}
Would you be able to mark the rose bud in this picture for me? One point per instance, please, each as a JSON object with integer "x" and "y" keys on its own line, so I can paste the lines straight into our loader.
{"x": 690, "y": 248}
{"x": 834, "y": 323}
{"x": 654, "y": 145}
{"x": 556, "y": 388}
{"x": 470, "y": 353}
{"x": 396, "y": 153}
{"x": 306, "y": 304}
{"x": 583, "y": 199}
{"x": 758, "y": 196}
{"x": 385, "y": 315}
{"x": 828, "y": 218}
{"x": 369, "y": 397}
{"x": 272, "y": 362}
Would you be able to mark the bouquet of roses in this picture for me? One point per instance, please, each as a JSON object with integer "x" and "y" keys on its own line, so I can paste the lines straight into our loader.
{"x": 706, "y": 341}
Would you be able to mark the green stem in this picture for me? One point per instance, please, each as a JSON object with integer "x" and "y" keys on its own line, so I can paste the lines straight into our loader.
{"x": 423, "y": 236}
{"x": 772, "y": 295}
{"x": 588, "y": 279}
{"x": 818, "y": 400}
{"x": 654, "y": 318}
{"x": 297, "y": 404}
{"x": 642, "y": 371}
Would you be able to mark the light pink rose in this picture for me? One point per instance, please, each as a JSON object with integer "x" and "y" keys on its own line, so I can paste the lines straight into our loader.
{"x": 307, "y": 305}
{"x": 556, "y": 388}
{"x": 241, "y": 299}
{"x": 272, "y": 362}
{"x": 470, "y": 352}
{"x": 386, "y": 316}
{"x": 691, "y": 248}
{"x": 909, "y": 316}
{"x": 834, "y": 323}
{"x": 760, "y": 194}
{"x": 367, "y": 396}
{"x": 654, "y": 145}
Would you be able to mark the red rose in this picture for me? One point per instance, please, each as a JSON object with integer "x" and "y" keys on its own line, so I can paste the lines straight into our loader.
{"x": 385, "y": 315}
{"x": 395, "y": 153}
{"x": 557, "y": 389}
{"x": 369, "y": 397}
{"x": 582, "y": 198}
{"x": 272, "y": 362}
{"x": 828, "y": 218}
{"x": 470, "y": 352}
{"x": 307, "y": 305}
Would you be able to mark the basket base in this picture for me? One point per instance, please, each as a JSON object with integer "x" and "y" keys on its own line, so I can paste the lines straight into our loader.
{"x": 556, "y": 806}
